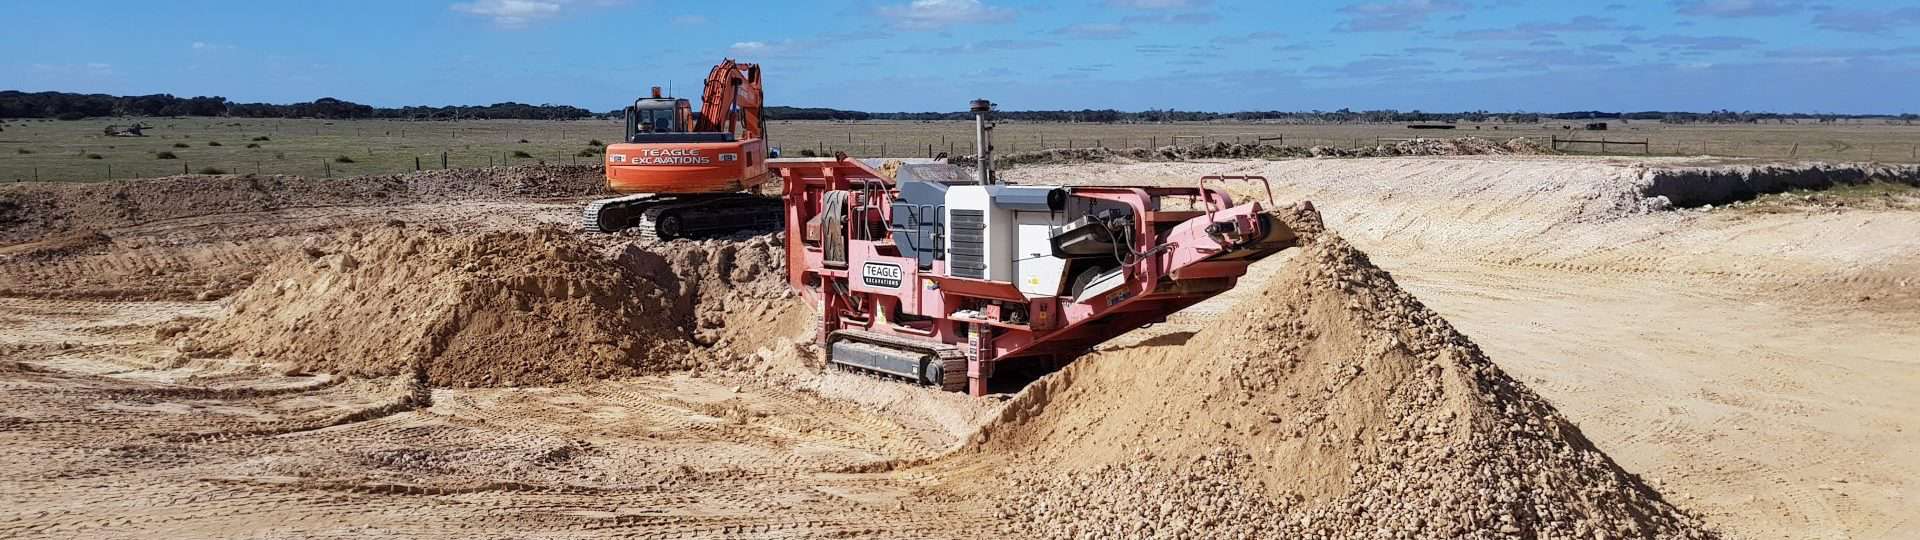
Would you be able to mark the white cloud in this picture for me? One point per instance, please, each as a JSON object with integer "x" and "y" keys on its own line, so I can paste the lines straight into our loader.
{"x": 1157, "y": 4}
{"x": 510, "y": 13}
{"x": 1095, "y": 31}
{"x": 87, "y": 70}
{"x": 745, "y": 47}
{"x": 1395, "y": 15}
{"x": 929, "y": 14}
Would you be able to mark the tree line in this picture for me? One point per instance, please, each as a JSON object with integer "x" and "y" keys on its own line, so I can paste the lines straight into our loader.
{"x": 71, "y": 106}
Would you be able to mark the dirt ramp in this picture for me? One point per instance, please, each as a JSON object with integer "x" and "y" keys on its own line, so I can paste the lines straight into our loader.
{"x": 496, "y": 309}
{"x": 1334, "y": 406}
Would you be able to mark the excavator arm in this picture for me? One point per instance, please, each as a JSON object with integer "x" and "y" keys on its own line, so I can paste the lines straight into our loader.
{"x": 733, "y": 87}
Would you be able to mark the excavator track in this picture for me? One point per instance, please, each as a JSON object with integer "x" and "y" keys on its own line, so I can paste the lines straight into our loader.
{"x": 952, "y": 375}
{"x": 667, "y": 217}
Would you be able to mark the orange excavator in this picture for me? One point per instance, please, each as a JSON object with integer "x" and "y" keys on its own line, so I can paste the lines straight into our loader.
{"x": 689, "y": 173}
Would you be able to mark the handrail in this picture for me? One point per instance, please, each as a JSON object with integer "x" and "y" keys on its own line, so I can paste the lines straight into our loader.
{"x": 1208, "y": 201}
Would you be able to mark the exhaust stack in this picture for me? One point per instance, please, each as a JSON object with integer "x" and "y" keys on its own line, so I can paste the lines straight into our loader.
{"x": 983, "y": 138}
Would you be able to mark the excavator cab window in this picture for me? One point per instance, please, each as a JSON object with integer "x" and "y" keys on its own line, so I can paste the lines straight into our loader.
{"x": 659, "y": 121}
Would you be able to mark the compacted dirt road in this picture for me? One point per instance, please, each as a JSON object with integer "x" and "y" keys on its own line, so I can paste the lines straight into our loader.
{"x": 1751, "y": 365}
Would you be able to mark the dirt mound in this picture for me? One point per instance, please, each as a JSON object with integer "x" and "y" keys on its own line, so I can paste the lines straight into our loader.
{"x": 502, "y": 308}
{"x": 1464, "y": 146}
{"x": 734, "y": 292}
{"x": 31, "y": 211}
{"x": 1335, "y": 406}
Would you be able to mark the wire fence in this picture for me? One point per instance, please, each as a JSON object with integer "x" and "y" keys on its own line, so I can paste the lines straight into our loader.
{"x": 370, "y": 158}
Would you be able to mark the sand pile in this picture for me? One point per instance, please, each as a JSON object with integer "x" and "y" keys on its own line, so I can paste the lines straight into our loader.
{"x": 733, "y": 292}
{"x": 1464, "y": 146}
{"x": 32, "y": 210}
{"x": 1334, "y": 405}
{"x": 506, "y": 308}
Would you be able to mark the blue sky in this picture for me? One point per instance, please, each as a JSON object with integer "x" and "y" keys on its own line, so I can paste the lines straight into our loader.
{"x": 915, "y": 55}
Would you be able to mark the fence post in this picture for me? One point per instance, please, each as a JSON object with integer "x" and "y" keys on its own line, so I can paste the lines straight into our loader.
{"x": 929, "y": 150}
{"x": 416, "y": 163}
{"x": 1603, "y": 145}
{"x": 328, "y": 167}
{"x": 36, "y": 174}
{"x": 443, "y": 160}
{"x": 183, "y": 167}
{"x": 109, "y": 171}
{"x": 1796, "y": 151}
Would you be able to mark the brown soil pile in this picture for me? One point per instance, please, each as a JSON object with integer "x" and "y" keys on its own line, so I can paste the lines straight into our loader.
{"x": 733, "y": 291}
{"x": 1334, "y": 406}
{"x": 479, "y": 310}
{"x": 33, "y": 210}
{"x": 1464, "y": 146}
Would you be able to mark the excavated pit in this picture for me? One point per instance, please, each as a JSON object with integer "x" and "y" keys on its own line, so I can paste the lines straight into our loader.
{"x": 1689, "y": 187}
{"x": 1332, "y": 405}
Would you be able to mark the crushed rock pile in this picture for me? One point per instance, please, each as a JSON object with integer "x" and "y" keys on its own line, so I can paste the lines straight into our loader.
{"x": 495, "y": 309}
{"x": 1334, "y": 406}
{"x": 31, "y": 210}
{"x": 1464, "y": 146}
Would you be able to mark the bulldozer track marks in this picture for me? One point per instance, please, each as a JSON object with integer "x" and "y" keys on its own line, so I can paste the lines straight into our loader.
{"x": 97, "y": 443}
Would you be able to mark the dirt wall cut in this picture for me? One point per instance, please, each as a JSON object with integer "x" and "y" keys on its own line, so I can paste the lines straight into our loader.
{"x": 1334, "y": 405}
{"x": 495, "y": 309}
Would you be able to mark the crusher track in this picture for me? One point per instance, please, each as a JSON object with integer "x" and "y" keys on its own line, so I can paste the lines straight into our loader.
{"x": 953, "y": 361}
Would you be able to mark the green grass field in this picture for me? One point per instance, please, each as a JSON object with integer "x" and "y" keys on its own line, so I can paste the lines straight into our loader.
{"x": 80, "y": 151}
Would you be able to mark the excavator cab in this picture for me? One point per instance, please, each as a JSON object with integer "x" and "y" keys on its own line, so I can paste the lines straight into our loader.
{"x": 660, "y": 119}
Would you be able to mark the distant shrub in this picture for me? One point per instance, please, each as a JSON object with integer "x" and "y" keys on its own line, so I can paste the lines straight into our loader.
{"x": 165, "y": 155}
{"x": 523, "y": 141}
{"x": 95, "y": 156}
{"x": 343, "y": 159}
{"x": 262, "y": 138}
{"x": 253, "y": 145}
{"x": 279, "y": 155}
{"x": 22, "y": 151}
{"x": 211, "y": 170}
{"x": 517, "y": 153}
{"x": 72, "y": 116}
{"x": 213, "y": 143}
{"x": 596, "y": 142}
{"x": 180, "y": 145}
{"x": 807, "y": 152}
{"x": 585, "y": 153}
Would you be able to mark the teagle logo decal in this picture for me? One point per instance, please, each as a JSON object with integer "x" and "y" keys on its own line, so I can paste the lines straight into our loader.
{"x": 881, "y": 275}
{"x": 670, "y": 156}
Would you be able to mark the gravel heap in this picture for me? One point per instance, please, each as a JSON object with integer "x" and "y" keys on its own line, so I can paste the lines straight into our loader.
{"x": 1334, "y": 406}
